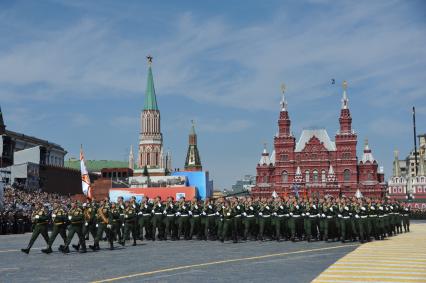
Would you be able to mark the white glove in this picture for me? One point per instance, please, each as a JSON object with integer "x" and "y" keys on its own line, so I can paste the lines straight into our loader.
{"x": 159, "y": 205}
{"x": 372, "y": 208}
{"x": 297, "y": 206}
{"x": 323, "y": 215}
{"x": 171, "y": 205}
{"x": 53, "y": 215}
{"x": 184, "y": 207}
{"x": 190, "y": 212}
{"x": 267, "y": 207}
{"x": 331, "y": 209}
{"x": 134, "y": 206}
{"x": 204, "y": 213}
{"x": 260, "y": 213}
{"x": 109, "y": 226}
{"x": 164, "y": 211}
{"x": 37, "y": 217}
{"x": 314, "y": 206}
{"x": 245, "y": 214}
{"x": 291, "y": 213}
{"x": 356, "y": 216}
{"x": 307, "y": 213}
{"x": 126, "y": 216}
{"x": 303, "y": 214}
{"x": 196, "y": 206}
{"x": 122, "y": 224}
{"x": 238, "y": 207}
{"x": 86, "y": 224}
{"x": 69, "y": 217}
{"x": 281, "y": 207}
{"x": 339, "y": 215}
{"x": 140, "y": 213}
{"x": 223, "y": 206}
{"x": 217, "y": 213}
{"x": 406, "y": 209}
{"x": 381, "y": 208}
{"x": 251, "y": 208}
{"x": 177, "y": 213}
{"x": 210, "y": 207}
{"x": 363, "y": 208}
{"x": 97, "y": 225}
{"x": 275, "y": 214}
{"x": 122, "y": 206}
{"x": 346, "y": 208}
{"x": 391, "y": 207}
{"x": 228, "y": 214}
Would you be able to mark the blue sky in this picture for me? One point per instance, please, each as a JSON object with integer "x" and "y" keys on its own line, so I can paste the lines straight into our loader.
{"x": 75, "y": 72}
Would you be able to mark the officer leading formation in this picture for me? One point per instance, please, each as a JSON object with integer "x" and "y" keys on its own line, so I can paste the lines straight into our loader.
{"x": 238, "y": 219}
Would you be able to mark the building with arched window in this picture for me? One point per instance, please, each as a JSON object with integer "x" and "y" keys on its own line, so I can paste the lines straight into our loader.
{"x": 316, "y": 164}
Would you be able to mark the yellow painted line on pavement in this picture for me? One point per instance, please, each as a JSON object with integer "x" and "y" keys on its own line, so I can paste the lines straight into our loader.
{"x": 401, "y": 258}
{"x": 219, "y": 262}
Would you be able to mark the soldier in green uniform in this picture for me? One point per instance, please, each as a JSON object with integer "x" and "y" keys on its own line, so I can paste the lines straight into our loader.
{"x": 227, "y": 215}
{"x": 144, "y": 218}
{"x": 249, "y": 218}
{"x": 89, "y": 210}
{"x": 76, "y": 218}
{"x": 194, "y": 219}
{"x": 103, "y": 223}
{"x": 183, "y": 219}
{"x": 208, "y": 215}
{"x": 129, "y": 222}
{"x": 157, "y": 218}
{"x": 265, "y": 212}
{"x": 120, "y": 206}
{"x": 115, "y": 232}
{"x": 169, "y": 219}
{"x": 40, "y": 220}
{"x": 309, "y": 212}
{"x": 345, "y": 221}
{"x": 219, "y": 205}
{"x": 59, "y": 221}
{"x": 278, "y": 218}
{"x": 238, "y": 209}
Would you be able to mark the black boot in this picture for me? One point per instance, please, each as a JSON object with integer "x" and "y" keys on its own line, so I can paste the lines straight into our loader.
{"x": 66, "y": 250}
{"x": 111, "y": 245}
{"x": 27, "y": 250}
{"x": 76, "y": 247}
{"x": 47, "y": 251}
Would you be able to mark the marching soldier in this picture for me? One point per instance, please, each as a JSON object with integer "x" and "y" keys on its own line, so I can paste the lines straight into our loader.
{"x": 249, "y": 219}
{"x": 264, "y": 214}
{"x": 157, "y": 218}
{"x": 183, "y": 219}
{"x": 103, "y": 223}
{"x": 115, "y": 232}
{"x": 129, "y": 222}
{"x": 194, "y": 220}
{"x": 169, "y": 219}
{"x": 59, "y": 221}
{"x": 89, "y": 210}
{"x": 75, "y": 217}
{"x": 144, "y": 218}
{"x": 238, "y": 209}
{"x": 227, "y": 214}
{"x": 406, "y": 219}
{"x": 208, "y": 218}
{"x": 40, "y": 221}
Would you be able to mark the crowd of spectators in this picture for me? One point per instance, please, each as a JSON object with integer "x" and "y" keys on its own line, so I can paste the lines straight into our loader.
{"x": 18, "y": 205}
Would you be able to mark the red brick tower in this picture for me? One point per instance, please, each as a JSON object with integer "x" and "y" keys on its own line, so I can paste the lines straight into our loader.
{"x": 346, "y": 158}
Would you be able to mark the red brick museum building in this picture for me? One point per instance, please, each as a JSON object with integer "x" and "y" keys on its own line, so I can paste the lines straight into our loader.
{"x": 316, "y": 165}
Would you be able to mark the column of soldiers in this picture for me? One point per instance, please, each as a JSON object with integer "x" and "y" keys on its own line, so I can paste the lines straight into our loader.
{"x": 239, "y": 219}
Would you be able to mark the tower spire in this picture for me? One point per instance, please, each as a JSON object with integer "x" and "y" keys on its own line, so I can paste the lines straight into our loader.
{"x": 193, "y": 160}
{"x": 283, "y": 99}
{"x": 150, "y": 97}
{"x": 345, "y": 99}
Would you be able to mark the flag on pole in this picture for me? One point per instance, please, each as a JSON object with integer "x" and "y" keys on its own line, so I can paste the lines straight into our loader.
{"x": 274, "y": 194}
{"x": 85, "y": 180}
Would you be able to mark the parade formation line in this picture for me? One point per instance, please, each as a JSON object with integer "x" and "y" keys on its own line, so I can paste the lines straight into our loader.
{"x": 397, "y": 259}
{"x": 219, "y": 262}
